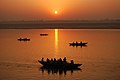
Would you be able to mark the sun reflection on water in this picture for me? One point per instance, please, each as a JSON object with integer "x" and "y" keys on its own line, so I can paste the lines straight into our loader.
{"x": 56, "y": 41}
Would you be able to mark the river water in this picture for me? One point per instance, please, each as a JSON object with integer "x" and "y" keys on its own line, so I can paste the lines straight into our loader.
{"x": 100, "y": 59}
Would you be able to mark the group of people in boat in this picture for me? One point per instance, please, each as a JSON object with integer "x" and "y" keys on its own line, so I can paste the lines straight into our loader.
{"x": 57, "y": 60}
{"x": 77, "y": 42}
{"x": 24, "y": 39}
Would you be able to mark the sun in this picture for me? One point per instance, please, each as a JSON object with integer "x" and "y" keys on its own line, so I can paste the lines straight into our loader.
{"x": 56, "y": 12}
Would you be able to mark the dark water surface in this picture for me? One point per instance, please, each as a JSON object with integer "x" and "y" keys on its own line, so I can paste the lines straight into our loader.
{"x": 100, "y": 59}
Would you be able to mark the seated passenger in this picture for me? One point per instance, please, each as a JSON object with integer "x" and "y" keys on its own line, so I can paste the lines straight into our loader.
{"x": 51, "y": 60}
{"x": 64, "y": 60}
{"x": 76, "y": 42}
{"x": 54, "y": 60}
{"x": 59, "y": 60}
{"x": 72, "y": 62}
{"x": 42, "y": 59}
{"x": 48, "y": 60}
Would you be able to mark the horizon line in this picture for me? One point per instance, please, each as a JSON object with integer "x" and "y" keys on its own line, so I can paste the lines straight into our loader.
{"x": 61, "y": 20}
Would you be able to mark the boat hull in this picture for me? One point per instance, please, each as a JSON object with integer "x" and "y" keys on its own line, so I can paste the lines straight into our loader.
{"x": 78, "y": 44}
{"x": 59, "y": 65}
{"x": 23, "y": 39}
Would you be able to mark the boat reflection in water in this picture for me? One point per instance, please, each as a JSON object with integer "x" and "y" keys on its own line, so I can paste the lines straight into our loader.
{"x": 81, "y": 44}
{"x": 59, "y": 71}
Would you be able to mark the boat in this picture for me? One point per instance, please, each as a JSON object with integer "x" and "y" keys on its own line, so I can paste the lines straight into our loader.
{"x": 78, "y": 43}
{"x": 23, "y": 39}
{"x": 44, "y": 34}
{"x": 59, "y": 64}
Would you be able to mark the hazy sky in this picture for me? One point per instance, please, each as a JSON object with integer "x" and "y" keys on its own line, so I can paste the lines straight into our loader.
{"x": 67, "y": 9}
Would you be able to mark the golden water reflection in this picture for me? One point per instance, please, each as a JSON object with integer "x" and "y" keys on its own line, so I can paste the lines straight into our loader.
{"x": 56, "y": 41}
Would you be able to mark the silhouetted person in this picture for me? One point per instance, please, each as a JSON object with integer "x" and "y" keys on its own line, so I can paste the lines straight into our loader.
{"x": 81, "y": 42}
{"x": 54, "y": 60}
{"x": 64, "y": 60}
{"x": 76, "y": 42}
{"x": 42, "y": 59}
{"x": 48, "y": 60}
{"x": 72, "y": 62}
{"x": 60, "y": 60}
{"x": 51, "y": 60}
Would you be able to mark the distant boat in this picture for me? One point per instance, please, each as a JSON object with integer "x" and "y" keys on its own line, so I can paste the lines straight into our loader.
{"x": 43, "y": 34}
{"x": 23, "y": 39}
{"x": 78, "y": 44}
{"x": 59, "y": 64}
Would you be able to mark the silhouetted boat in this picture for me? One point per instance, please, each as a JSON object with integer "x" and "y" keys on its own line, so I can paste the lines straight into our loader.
{"x": 43, "y": 34}
{"x": 59, "y": 64}
{"x": 23, "y": 39}
{"x": 78, "y": 44}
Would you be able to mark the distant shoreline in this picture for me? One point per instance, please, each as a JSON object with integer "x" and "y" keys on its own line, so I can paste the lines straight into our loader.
{"x": 105, "y": 24}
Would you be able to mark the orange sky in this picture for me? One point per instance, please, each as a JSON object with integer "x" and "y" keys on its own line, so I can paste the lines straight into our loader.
{"x": 67, "y": 9}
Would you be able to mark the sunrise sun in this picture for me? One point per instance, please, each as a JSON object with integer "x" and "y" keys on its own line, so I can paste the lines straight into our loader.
{"x": 56, "y": 12}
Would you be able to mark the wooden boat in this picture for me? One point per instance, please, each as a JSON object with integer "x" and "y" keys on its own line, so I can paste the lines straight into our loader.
{"x": 43, "y": 34}
{"x": 23, "y": 39}
{"x": 59, "y": 64}
{"x": 78, "y": 44}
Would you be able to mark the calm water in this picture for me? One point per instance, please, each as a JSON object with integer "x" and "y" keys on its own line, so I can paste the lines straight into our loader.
{"x": 100, "y": 59}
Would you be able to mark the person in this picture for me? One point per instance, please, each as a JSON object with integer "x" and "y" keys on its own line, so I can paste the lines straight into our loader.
{"x": 42, "y": 59}
{"x": 81, "y": 42}
{"x": 54, "y": 60}
{"x": 59, "y": 60}
{"x": 48, "y": 60}
{"x": 64, "y": 60}
{"x": 72, "y": 62}
{"x": 76, "y": 42}
{"x": 51, "y": 60}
